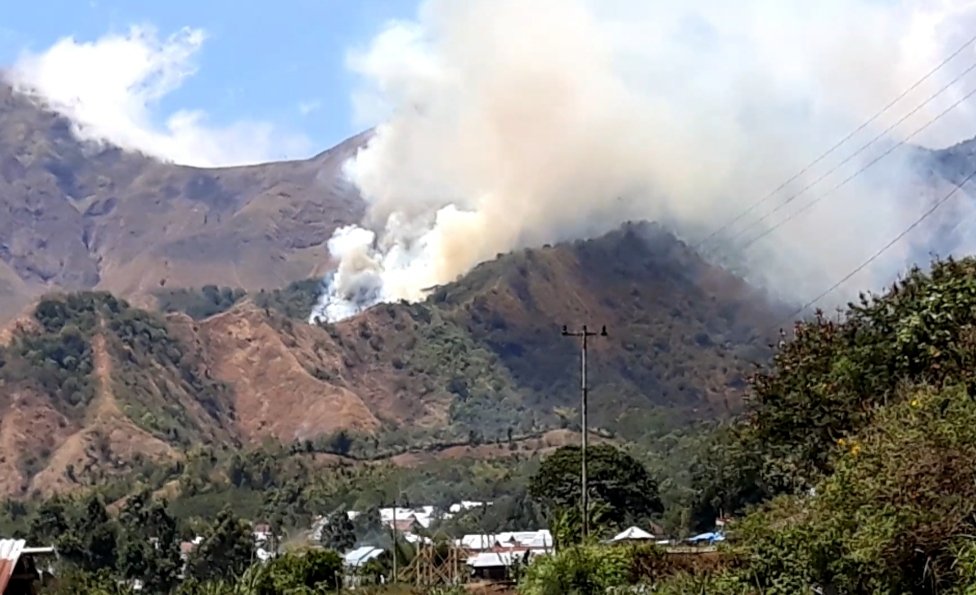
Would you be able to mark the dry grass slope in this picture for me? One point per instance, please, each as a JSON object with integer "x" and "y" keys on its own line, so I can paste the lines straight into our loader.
{"x": 78, "y": 216}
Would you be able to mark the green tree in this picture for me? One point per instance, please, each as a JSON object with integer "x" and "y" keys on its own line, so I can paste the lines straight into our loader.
{"x": 621, "y": 491}
{"x": 725, "y": 476}
{"x": 91, "y": 541}
{"x": 826, "y": 382}
{"x": 368, "y": 525}
{"x": 49, "y": 522}
{"x": 148, "y": 544}
{"x": 580, "y": 570}
{"x": 892, "y": 518}
{"x": 226, "y": 551}
{"x": 339, "y": 533}
{"x": 318, "y": 570}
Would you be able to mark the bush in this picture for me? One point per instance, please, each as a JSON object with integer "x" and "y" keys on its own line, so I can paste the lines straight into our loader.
{"x": 580, "y": 570}
{"x": 301, "y": 572}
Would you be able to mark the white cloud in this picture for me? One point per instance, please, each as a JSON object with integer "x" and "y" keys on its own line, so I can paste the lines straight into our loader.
{"x": 111, "y": 89}
{"x": 307, "y": 107}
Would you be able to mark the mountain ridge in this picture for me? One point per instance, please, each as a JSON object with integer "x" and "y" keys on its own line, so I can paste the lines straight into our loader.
{"x": 120, "y": 388}
{"x": 82, "y": 215}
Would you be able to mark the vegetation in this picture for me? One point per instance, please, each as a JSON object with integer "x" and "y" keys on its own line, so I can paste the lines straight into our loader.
{"x": 199, "y": 303}
{"x": 57, "y": 357}
{"x": 859, "y": 449}
{"x": 155, "y": 379}
{"x": 620, "y": 490}
{"x": 852, "y": 469}
{"x": 294, "y": 301}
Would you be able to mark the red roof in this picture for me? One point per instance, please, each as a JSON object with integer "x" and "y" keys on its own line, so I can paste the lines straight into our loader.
{"x": 9, "y": 553}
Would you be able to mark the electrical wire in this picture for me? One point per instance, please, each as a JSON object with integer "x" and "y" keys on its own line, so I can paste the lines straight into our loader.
{"x": 840, "y": 143}
{"x": 928, "y": 212}
{"x": 844, "y": 182}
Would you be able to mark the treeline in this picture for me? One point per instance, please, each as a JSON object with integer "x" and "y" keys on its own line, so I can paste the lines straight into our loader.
{"x": 139, "y": 550}
{"x": 854, "y": 468}
{"x": 296, "y": 300}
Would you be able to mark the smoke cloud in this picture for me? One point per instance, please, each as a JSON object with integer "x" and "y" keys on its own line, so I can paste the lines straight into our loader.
{"x": 510, "y": 123}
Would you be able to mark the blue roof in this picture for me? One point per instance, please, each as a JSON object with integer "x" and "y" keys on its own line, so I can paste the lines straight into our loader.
{"x": 711, "y": 536}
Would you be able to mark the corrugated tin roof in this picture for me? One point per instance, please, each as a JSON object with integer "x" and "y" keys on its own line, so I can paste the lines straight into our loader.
{"x": 361, "y": 555}
{"x": 499, "y": 559}
{"x": 10, "y": 550}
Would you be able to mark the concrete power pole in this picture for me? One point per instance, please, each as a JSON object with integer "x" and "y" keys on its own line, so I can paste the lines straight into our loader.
{"x": 394, "y": 550}
{"x": 584, "y": 389}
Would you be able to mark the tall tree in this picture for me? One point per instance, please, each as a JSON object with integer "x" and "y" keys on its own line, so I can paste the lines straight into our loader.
{"x": 619, "y": 487}
{"x": 226, "y": 551}
{"x": 149, "y": 544}
{"x": 91, "y": 541}
{"x": 339, "y": 533}
{"x": 368, "y": 526}
{"x": 49, "y": 522}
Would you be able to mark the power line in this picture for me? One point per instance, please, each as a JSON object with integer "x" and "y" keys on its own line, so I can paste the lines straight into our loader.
{"x": 861, "y": 149}
{"x": 816, "y": 200}
{"x": 584, "y": 334}
{"x": 826, "y": 153}
{"x": 956, "y": 188}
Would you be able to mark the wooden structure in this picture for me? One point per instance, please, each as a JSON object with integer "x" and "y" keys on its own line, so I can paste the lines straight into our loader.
{"x": 435, "y": 564}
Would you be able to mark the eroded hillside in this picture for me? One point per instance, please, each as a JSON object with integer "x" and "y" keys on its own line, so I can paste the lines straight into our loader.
{"x": 109, "y": 387}
{"x": 77, "y": 216}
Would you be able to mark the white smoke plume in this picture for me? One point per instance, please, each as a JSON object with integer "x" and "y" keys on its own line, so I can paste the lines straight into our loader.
{"x": 518, "y": 122}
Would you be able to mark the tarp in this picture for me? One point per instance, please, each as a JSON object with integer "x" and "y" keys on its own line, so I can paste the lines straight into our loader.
{"x": 632, "y": 534}
{"x": 709, "y": 537}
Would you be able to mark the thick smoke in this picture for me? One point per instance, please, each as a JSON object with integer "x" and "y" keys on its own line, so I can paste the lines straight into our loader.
{"x": 511, "y": 123}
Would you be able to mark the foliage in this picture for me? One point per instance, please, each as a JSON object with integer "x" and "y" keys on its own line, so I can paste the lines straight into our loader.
{"x": 306, "y": 571}
{"x": 49, "y": 522}
{"x": 91, "y": 541}
{"x": 144, "y": 344}
{"x": 339, "y": 533}
{"x": 619, "y": 486}
{"x": 508, "y": 512}
{"x": 74, "y": 581}
{"x": 725, "y": 476}
{"x": 294, "y": 301}
{"x": 226, "y": 551}
{"x": 57, "y": 356}
{"x": 199, "y": 303}
{"x": 892, "y": 516}
{"x": 577, "y": 570}
{"x": 149, "y": 545}
{"x": 826, "y": 383}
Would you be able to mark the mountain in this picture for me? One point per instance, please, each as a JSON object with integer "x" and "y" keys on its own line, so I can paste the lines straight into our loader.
{"x": 91, "y": 386}
{"x": 78, "y": 215}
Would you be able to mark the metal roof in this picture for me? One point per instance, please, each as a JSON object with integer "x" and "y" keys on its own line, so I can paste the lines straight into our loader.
{"x": 10, "y": 550}
{"x": 361, "y": 555}
{"x": 500, "y": 559}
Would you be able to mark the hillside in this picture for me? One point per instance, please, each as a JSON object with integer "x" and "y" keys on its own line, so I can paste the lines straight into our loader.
{"x": 79, "y": 216}
{"x": 482, "y": 360}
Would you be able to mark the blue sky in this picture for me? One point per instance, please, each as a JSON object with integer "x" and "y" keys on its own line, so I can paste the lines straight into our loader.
{"x": 280, "y": 63}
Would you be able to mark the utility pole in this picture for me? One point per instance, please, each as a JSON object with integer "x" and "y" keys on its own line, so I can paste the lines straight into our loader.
{"x": 584, "y": 389}
{"x": 394, "y": 551}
